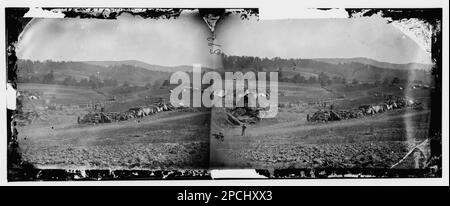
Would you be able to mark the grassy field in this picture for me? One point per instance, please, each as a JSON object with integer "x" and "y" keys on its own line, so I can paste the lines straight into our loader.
{"x": 59, "y": 94}
{"x": 292, "y": 93}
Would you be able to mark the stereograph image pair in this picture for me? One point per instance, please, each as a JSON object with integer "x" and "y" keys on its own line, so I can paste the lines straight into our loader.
{"x": 191, "y": 90}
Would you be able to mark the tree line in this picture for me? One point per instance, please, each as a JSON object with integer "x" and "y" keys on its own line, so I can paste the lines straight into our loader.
{"x": 92, "y": 81}
{"x": 322, "y": 79}
{"x": 352, "y": 72}
{"x": 86, "y": 75}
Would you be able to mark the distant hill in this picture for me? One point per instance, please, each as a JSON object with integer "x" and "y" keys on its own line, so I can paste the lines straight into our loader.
{"x": 141, "y": 73}
{"x": 363, "y": 60}
{"x": 80, "y": 70}
{"x": 140, "y": 64}
{"x": 360, "y": 69}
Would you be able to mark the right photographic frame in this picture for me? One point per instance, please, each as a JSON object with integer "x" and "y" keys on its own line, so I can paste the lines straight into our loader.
{"x": 359, "y": 96}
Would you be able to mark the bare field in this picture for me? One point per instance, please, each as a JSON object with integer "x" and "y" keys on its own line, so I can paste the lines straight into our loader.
{"x": 171, "y": 140}
{"x": 148, "y": 144}
{"x": 378, "y": 142}
{"x": 290, "y": 141}
{"x": 190, "y": 155}
{"x": 165, "y": 140}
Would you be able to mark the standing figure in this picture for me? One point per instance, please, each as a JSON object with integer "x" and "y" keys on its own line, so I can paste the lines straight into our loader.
{"x": 243, "y": 129}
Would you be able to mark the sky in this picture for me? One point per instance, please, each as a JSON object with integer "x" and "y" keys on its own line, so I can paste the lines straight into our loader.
{"x": 183, "y": 41}
{"x": 369, "y": 37}
{"x": 164, "y": 42}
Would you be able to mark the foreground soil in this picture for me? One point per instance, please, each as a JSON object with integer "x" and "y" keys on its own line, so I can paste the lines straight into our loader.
{"x": 378, "y": 141}
{"x": 171, "y": 140}
{"x": 192, "y": 155}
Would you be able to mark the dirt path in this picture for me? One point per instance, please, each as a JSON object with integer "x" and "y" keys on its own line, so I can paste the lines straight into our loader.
{"x": 297, "y": 126}
{"x": 60, "y": 131}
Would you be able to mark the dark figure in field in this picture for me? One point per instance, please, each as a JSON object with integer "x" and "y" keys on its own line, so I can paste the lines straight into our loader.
{"x": 307, "y": 117}
{"x": 243, "y": 129}
{"x": 15, "y": 133}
